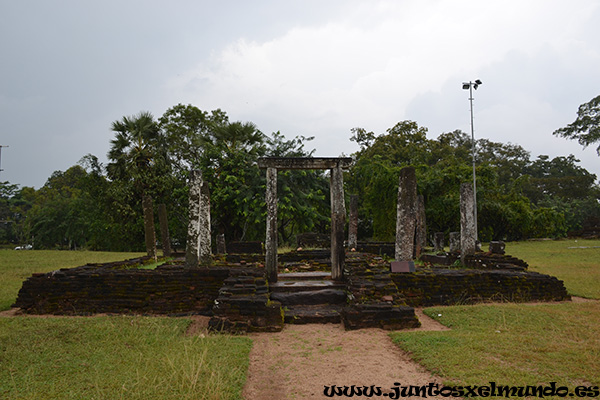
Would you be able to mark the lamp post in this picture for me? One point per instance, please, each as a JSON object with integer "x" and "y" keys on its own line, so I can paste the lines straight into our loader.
{"x": 470, "y": 86}
{"x": 1, "y": 146}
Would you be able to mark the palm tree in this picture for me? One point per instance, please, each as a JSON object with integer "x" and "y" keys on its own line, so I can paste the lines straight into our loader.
{"x": 134, "y": 152}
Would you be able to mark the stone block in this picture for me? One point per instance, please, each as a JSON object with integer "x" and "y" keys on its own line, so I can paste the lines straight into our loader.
{"x": 402, "y": 266}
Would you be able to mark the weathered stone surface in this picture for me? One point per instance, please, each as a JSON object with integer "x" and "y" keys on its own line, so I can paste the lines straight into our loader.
{"x": 479, "y": 261}
{"x": 243, "y": 306}
{"x": 402, "y": 266}
{"x": 253, "y": 247}
{"x": 353, "y": 222}
{"x": 421, "y": 227}
{"x": 497, "y": 247}
{"x": 468, "y": 236}
{"x": 452, "y": 287}
{"x": 304, "y": 162}
{"x": 380, "y": 248}
{"x": 119, "y": 288}
{"x": 221, "y": 245}
{"x": 379, "y": 315}
{"x": 271, "y": 237}
{"x": 338, "y": 222}
{"x": 192, "y": 251}
{"x": 312, "y": 239}
{"x": 315, "y": 314}
{"x": 454, "y": 242}
{"x": 204, "y": 233}
{"x": 406, "y": 214}
{"x": 438, "y": 241}
{"x": 310, "y": 297}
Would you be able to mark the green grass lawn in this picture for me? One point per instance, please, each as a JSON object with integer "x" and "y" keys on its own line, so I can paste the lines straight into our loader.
{"x": 578, "y": 267}
{"x": 511, "y": 344}
{"x": 521, "y": 344}
{"x": 16, "y": 266}
{"x": 151, "y": 358}
{"x": 117, "y": 358}
{"x": 108, "y": 357}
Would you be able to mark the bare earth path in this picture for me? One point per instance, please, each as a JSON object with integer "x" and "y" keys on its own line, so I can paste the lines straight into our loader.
{"x": 298, "y": 362}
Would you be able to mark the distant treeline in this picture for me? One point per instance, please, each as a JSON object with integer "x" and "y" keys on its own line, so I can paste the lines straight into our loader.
{"x": 99, "y": 207}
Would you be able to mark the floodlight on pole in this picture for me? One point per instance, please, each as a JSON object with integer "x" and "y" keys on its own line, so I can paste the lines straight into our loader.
{"x": 470, "y": 86}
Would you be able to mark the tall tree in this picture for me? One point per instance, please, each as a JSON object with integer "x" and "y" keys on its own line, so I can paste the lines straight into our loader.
{"x": 586, "y": 128}
{"x": 136, "y": 153}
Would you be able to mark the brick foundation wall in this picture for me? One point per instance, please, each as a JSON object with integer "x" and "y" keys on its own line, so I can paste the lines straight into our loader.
{"x": 108, "y": 288}
{"x": 460, "y": 286}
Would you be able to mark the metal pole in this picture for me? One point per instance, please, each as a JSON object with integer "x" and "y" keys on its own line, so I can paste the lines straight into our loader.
{"x": 473, "y": 155}
{"x": 1, "y": 146}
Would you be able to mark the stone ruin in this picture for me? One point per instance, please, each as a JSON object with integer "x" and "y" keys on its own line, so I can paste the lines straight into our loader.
{"x": 248, "y": 291}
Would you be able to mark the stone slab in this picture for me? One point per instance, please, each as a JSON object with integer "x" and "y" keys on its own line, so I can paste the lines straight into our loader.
{"x": 304, "y": 162}
{"x": 402, "y": 266}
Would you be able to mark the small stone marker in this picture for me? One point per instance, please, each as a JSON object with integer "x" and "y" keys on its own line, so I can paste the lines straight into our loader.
{"x": 221, "y": 247}
{"x": 497, "y": 247}
{"x": 402, "y": 266}
{"x": 438, "y": 241}
{"x": 454, "y": 242}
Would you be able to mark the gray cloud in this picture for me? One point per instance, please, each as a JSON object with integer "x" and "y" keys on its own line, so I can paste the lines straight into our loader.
{"x": 317, "y": 68}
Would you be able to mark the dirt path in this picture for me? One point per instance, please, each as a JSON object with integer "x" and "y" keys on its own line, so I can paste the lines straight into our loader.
{"x": 298, "y": 362}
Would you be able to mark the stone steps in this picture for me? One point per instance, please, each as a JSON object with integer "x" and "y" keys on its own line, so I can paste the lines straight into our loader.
{"x": 303, "y": 286}
{"x": 316, "y": 314}
{"x": 309, "y": 297}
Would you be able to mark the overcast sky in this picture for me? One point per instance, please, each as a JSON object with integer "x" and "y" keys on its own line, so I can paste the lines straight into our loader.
{"x": 68, "y": 69}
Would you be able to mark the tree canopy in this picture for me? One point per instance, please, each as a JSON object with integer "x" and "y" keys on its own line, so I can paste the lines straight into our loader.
{"x": 101, "y": 207}
{"x": 586, "y": 128}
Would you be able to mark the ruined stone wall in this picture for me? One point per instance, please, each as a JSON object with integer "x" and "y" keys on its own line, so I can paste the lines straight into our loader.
{"x": 460, "y": 286}
{"x": 108, "y": 288}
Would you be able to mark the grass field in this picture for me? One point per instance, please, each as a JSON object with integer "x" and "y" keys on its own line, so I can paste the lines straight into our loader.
{"x": 576, "y": 262}
{"x": 108, "y": 357}
{"x": 152, "y": 358}
{"x": 521, "y": 344}
{"x": 117, "y": 358}
{"x": 16, "y": 266}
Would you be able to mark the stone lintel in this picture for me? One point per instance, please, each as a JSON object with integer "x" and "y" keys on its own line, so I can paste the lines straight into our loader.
{"x": 304, "y": 162}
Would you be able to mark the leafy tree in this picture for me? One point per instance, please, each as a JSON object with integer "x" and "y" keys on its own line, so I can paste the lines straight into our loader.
{"x": 227, "y": 153}
{"x": 56, "y": 218}
{"x": 586, "y": 128}
{"x": 504, "y": 209}
{"x": 7, "y": 212}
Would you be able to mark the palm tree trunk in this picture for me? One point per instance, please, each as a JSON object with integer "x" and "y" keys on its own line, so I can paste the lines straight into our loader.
{"x": 149, "y": 233}
{"x": 164, "y": 229}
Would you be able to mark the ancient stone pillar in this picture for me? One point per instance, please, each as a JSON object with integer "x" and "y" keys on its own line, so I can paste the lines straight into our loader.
{"x": 221, "y": 247}
{"x": 164, "y": 229}
{"x": 338, "y": 221}
{"x": 353, "y": 222}
{"x": 421, "y": 229}
{"x": 271, "y": 240}
{"x": 454, "y": 242}
{"x": 204, "y": 237}
{"x": 192, "y": 245}
{"x": 438, "y": 242}
{"x": 406, "y": 214}
{"x": 467, "y": 221}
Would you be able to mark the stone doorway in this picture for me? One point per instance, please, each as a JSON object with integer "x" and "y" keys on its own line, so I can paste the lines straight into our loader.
{"x": 338, "y": 209}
